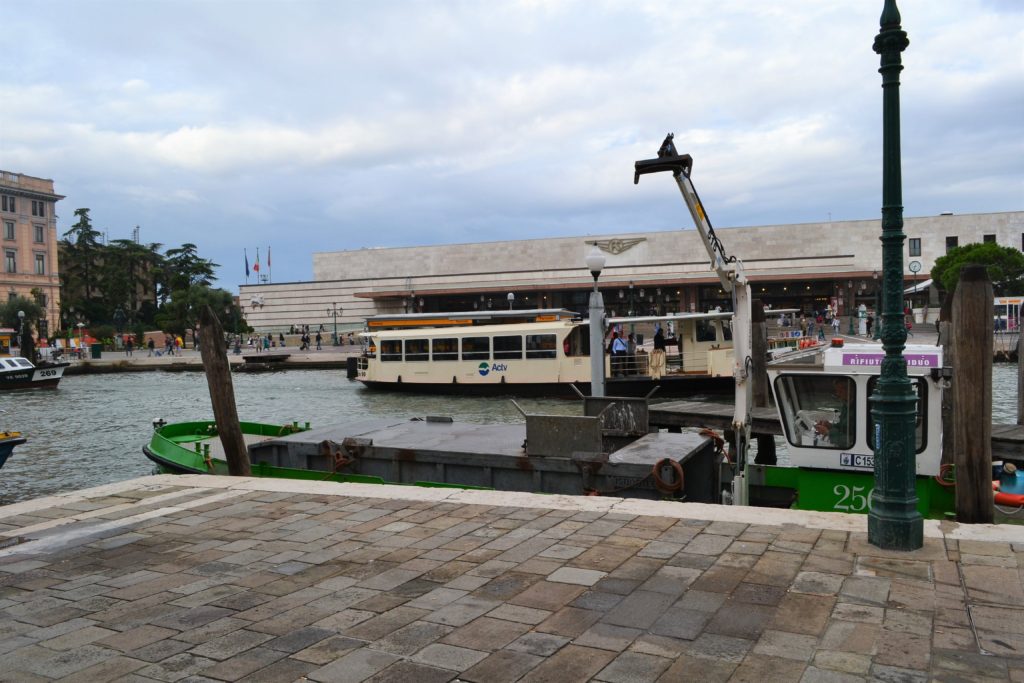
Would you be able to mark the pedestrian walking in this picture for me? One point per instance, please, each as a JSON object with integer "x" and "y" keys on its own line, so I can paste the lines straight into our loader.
{"x": 835, "y": 325}
{"x": 151, "y": 345}
{"x": 319, "y": 339}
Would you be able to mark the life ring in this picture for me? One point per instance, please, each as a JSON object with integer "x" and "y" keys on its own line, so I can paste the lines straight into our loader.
{"x": 1009, "y": 499}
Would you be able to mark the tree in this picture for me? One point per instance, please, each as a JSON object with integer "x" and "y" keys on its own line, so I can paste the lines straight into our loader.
{"x": 81, "y": 252}
{"x": 181, "y": 312}
{"x": 1005, "y": 266}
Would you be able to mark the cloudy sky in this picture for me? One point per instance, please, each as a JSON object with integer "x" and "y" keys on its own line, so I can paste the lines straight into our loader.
{"x": 309, "y": 126}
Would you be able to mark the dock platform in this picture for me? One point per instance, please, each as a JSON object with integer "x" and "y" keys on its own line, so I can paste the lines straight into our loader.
{"x": 224, "y": 578}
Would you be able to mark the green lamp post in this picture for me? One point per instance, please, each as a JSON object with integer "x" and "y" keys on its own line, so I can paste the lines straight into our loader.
{"x": 852, "y": 308}
{"x": 893, "y": 522}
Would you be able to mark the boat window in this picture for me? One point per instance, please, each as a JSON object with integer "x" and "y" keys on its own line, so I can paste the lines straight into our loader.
{"x": 577, "y": 343}
{"x": 476, "y": 348}
{"x": 818, "y": 411}
{"x": 23, "y": 363}
{"x": 446, "y": 348}
{"x": 920, "y": 433}
{"x": 390, "y": 350}
{"x": 11, "y": 363}
{"x": 508, "y": 348}
{"x": 417, "y": 350}
{"x": 727, "y": 330}
{"x": 541, "y": 346}
{"x": 705, "y": 331}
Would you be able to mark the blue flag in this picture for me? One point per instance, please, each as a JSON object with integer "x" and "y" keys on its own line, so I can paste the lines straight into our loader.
{"x": 246, "y": 263}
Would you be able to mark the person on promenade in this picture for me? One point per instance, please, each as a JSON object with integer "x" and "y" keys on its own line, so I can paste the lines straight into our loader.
{"x": 803, "y": 325}
{"x": 151, "y": 345}
{"x": 281, "y": 338}
{"x": 658, "y": 355}
{"x": 319, "y": 339}
{"x": 619, "y": 351}
{"x": 128, "y": 346}
{"x": 631, "y": 355}
{"x": 835, "y": 326}
{"x": 870, "y": 323}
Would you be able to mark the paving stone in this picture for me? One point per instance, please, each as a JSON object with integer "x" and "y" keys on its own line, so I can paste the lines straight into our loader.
{"x": 969, "y": 664}
{"x": 570, "y": 664}
{"x": 847, "y": 662}
{"x": 540, "y": 644}
{"x": 850, "y": 636}
{"x": 412, "y": 638}
{"x": 633, "y": 667}
{"x": 813, "y": 674}
{"x": 691, "y": 668}
{"x": 818, "y": 583}
{"x": 462, "y": 611}
{"x": 243, "y": 664}
{"x": 176, "y": 668}
{"x": 670, "y": 581}
{"x": 787, "y": 645}
{"x": 547, "y": 595}
{"x": 354, "y": 667}
{"x": 382, "y": 625}
{"x": 801, "y": 613}
{"x": 681, "y": 623}
{"x": 448, "y": 656}
{"x": 865, "y": 590}
{"x": 298, "y": 640}
{"x": 903, "y": 649}
{"x": 640, "y": 609}
{"x": 569, "y": 621}
{"x": 848, "y": 611}
{"x": 895, "y": 674}
{"x": 328, "y": 650}
{"x": 573, "y": 575}
{"x": 214, "y": 629}
{"x": 708, "y": 544}
{"x": 286, "y": 669}
{"x": 607, "y": 637}
{"x": 404, "y": 671}
{"x": 160, "y": 650}
{"x": 230, "y": 645}
{"x": 596, "y": 600}
{"x": 524, "y": 615}
{"x": 758, "y": 594}
{"x": 740, "y": 620}
{"x": 504, "y": 666}
{"x": 760, "y": 668}
{"x": 719, "y": 580}
{"x": 718, "y": 647}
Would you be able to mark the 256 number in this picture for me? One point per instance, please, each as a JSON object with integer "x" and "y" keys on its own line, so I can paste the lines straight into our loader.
{"x": 855, "y": 499}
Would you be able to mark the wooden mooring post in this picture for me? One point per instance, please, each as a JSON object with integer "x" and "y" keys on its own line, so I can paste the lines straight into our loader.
{"x": 972, "y": 396}
{"x": 1020, "y": 376}
{"x": 222, "y": 393}
{"x": 946, "y": 342}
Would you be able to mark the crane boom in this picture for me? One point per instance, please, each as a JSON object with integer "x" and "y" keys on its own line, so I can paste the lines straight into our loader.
{"x": 730, "y": 273}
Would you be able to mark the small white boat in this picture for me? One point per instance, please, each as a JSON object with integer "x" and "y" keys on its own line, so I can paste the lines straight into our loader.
{"x": 20, "y": 373}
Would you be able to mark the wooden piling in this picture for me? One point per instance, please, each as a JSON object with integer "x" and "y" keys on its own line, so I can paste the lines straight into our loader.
{"x": 222, "y": 394}
{"x": 972, "y": 396}
{"x": 1020, "y": 377}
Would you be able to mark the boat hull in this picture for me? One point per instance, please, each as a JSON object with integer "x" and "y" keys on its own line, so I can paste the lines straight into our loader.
{"x": 45, "y": 376}
{"x": 667, "y": 387}
{"x": 8, "y": 440}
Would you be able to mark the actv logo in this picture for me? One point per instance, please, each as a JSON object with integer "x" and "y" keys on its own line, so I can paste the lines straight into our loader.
{"x": 484, "y": 369}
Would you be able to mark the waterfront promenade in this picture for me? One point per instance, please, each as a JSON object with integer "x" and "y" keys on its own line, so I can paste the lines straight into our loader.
{"x": 215, "y": 578}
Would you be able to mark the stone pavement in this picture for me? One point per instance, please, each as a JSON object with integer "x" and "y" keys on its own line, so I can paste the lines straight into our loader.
{"x": 215, "y": 578}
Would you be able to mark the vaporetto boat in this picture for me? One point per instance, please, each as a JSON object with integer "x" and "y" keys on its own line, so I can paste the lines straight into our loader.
{"x": 538, "y": 352}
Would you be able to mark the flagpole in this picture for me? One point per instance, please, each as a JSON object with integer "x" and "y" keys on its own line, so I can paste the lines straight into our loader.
{"x": 270, "y": 267}
{"x": 246, "y": 252}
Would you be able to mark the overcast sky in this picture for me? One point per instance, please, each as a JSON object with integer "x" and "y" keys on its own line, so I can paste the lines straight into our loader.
{"x": 309, "y": 126}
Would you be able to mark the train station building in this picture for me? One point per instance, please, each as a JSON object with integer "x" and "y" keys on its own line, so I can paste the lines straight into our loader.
{"x": 807, "y": 266}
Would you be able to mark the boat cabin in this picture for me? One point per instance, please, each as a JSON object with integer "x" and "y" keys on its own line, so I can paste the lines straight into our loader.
{"x": 824, "y": 403}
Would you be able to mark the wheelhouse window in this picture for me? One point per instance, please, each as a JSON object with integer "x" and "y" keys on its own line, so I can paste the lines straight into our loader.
{"x": 446, "y": 348}
{"x": 920, "y": 433}
{"x": 818, "y": 411}
{"x": 508, "y": 348}
{"x": 541, "y": 346}
{"x": 390, "y": 350}
{"x": 727, "y": 330}
{"x": 417, "y": 350}
{"x": 915, "y": 246}
{"x": 705, "y": 331}
{"x": 476, "y": 348}
{"x": 577, "y": 343}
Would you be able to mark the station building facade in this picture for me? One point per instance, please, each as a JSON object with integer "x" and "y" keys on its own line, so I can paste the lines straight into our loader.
{"x": 807, "y": 266}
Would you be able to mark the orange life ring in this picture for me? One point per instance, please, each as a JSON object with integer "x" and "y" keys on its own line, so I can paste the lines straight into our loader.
{"x": 1012, "y": 499}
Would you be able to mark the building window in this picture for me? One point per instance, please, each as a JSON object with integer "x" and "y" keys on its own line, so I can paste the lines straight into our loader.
{"x": 952, "y": 243}
{"x": 988, "y": 238}
{"x": 915, "y": 246}
{"x": 8, "y": 203}
{"x": 38, "y": 208}
{"x": 8, "y": 230}
{"x": 11, "y": 296}
{"x": 40, "y": 264}
{"x": 39, "y": 233}
{"x": 11, "y": 261}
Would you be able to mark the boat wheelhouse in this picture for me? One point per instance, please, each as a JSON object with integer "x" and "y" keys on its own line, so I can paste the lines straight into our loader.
{"x": 538, "y": 352}
{"x": 824, "y": 402}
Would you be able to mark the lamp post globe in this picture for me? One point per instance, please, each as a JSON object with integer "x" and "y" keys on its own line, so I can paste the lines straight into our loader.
{"x": 511, "y": 300}
{"x": 595, "y": 264}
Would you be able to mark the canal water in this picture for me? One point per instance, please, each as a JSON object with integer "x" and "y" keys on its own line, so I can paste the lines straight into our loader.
{"x": 91, "y": 430}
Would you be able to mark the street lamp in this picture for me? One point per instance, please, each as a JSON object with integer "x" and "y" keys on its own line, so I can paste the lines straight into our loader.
{"x": 21, "y": 332}
{"x": 511, "y": 300}
{"x": 334, "y": 310}
{"x": 894, "y": 522}
{"x": 595, "y": 264}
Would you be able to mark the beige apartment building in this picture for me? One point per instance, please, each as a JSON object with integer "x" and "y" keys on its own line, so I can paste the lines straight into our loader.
{"x": 807, "y": 266}
{"x": 29, "y": 224}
